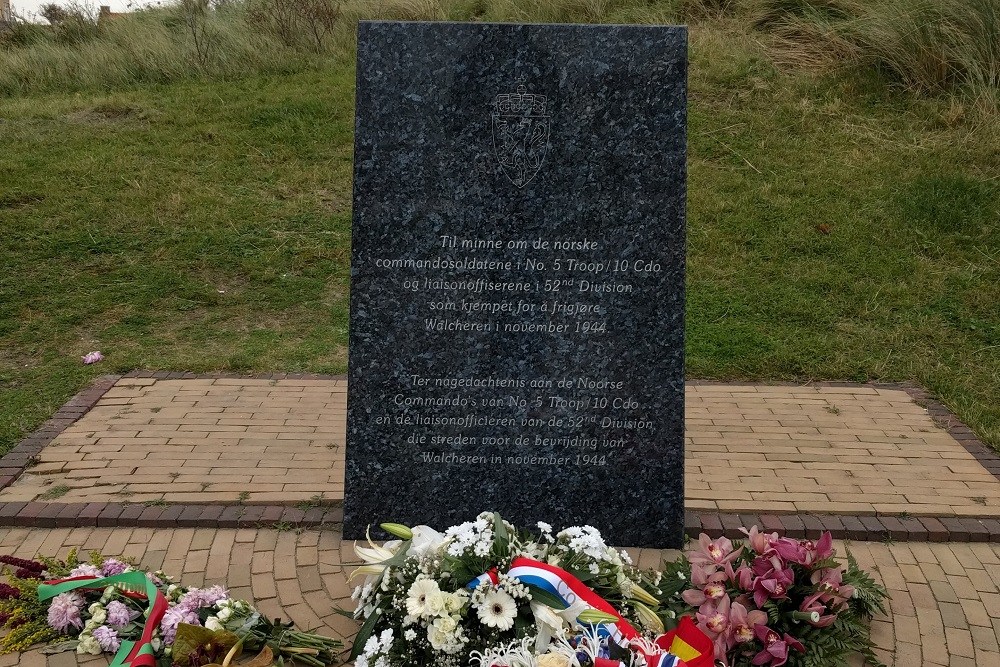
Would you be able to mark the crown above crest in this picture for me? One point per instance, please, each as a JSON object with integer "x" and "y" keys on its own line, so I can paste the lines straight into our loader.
{"x": 520, "y": 103}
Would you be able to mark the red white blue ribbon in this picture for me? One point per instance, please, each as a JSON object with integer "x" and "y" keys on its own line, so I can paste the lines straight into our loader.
{"x": 661, "y": 660}
{"x": 568, "y": 589}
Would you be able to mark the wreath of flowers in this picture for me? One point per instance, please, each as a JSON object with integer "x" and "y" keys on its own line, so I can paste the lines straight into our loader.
{"x": 470, "y": 596}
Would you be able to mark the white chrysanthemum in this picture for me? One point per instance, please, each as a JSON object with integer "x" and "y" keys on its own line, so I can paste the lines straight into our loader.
{"x": 418, "y": 596}
{"x": 445, "y": 635}
{"x": 410, "y": 634}
{"x": 437, "y": 603}
{"x": 455, "y": 601}
{"x": 497, "y": 610}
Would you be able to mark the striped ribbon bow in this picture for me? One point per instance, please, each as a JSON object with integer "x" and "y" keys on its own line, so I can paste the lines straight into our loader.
{"x": 687, "y": 640}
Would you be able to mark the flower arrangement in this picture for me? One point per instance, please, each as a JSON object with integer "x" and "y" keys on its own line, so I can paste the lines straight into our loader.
{"x": 485, "y": 594}
{"x": 776, "y": 600}
{"x": 106, "y": 605}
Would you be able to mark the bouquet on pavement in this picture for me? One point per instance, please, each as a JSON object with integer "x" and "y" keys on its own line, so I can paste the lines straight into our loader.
{"x": 106, "y": 605}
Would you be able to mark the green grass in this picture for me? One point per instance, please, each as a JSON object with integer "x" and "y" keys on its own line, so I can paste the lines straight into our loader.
{"x": 839, "y": 228}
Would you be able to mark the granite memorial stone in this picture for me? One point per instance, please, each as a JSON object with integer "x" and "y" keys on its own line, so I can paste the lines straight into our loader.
{"x": 517, "y": 279}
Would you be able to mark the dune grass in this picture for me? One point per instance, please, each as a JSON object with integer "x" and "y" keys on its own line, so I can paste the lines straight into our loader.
{"x": 841, "y": 226}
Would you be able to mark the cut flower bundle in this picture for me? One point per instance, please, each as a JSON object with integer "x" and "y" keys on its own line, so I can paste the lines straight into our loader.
{"x": 144, "y": 618}
{"x": 485, "y": 594}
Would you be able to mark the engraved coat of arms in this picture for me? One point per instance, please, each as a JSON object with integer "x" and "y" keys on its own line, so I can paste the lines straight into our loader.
{"x": 520, "y": 134}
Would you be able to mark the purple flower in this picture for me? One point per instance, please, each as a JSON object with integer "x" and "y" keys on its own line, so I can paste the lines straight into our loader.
{"x": 107, "y": 638}
{"x": 8, "y": 592}
{"x": 64, "y": 612}
{"x": 174, "y": 617}
{"x": 120, "y": 615}
{"x": 85, "y": 570}
{"x": 92, "y": 357}
{"x": 112, "y": 566}
{"x": 197, "y": 598}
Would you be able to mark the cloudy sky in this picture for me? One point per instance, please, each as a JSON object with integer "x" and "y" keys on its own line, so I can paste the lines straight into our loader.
{"x": 31, "y": 6}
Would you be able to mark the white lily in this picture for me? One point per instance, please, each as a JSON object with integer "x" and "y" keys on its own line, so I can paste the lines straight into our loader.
{"x": 374, "y": 557}
{"x": 548, "y": 622}
{"x": 639, "y": 593}
{"x": 648, "y": 618}
{"x": 424, "y": 541}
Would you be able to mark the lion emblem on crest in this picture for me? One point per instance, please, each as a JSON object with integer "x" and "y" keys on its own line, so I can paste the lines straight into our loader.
{"x": 520, "y": 134}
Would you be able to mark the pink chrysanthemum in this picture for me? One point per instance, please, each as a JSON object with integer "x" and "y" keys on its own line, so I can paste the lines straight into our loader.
{"x": 113, "y": 566}
{"x": 174, "y": 617}
{"x": 119, "y": 615}
{"x": 108, "y": 639}
{"x": 64, "y": 612}
{"x": 85, "y": 570}
{"x": 197, "y": 598}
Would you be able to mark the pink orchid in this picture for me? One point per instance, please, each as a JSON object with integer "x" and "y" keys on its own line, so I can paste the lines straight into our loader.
{"x": 713, "y": 590}
{"x": 702, "y": 576}
{"x": 790, "y": 550}
{"x": 713, "y": 553}
{"x": 771, "y": 585}
{"x": 817, "y": 610}
{"x": 805, "y": 552}
{"x": 760, "y": 541}
{"x": 713, "y": 620}
{"x": 742, "y": 622}
{"x": 831, "y": 583}
{"x": 776, "y": 647}
{"x": 824, "y": 547}
{"x": 743, "y": 577}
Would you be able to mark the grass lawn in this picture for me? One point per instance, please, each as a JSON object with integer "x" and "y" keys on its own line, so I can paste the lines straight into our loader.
{"x": 836, "y": 231}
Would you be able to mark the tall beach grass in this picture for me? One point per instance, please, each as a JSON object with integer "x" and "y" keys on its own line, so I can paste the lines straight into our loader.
{"x": 928, "y": 46}
{"x": 931, "y": 47}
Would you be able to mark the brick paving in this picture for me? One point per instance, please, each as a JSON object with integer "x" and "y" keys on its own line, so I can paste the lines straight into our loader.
{"x": 190, "y": 474}
{"x": 854, "y": 450}
{"x": 198, "y": 441}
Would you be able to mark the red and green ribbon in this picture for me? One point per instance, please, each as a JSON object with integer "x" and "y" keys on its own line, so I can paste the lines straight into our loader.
{"x": 135, "y": 584}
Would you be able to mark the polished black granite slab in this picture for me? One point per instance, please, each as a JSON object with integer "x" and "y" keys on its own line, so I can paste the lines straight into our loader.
{"x": 517, "y": 279}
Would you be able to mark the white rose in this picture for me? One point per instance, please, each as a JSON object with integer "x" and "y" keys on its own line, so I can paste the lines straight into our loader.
{"x": 99, "y": 617}
{"x": 212, "y": 623}
{"x": 88, "y": 644}
{"x": 225, "y": 613}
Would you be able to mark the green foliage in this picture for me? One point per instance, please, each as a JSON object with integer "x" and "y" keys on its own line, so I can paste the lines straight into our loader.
{"x": 869, "y": 596}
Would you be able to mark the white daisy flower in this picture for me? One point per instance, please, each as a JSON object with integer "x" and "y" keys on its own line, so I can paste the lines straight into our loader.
{"x": 419, "y": 595}
{"x": 497, "y": 610}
